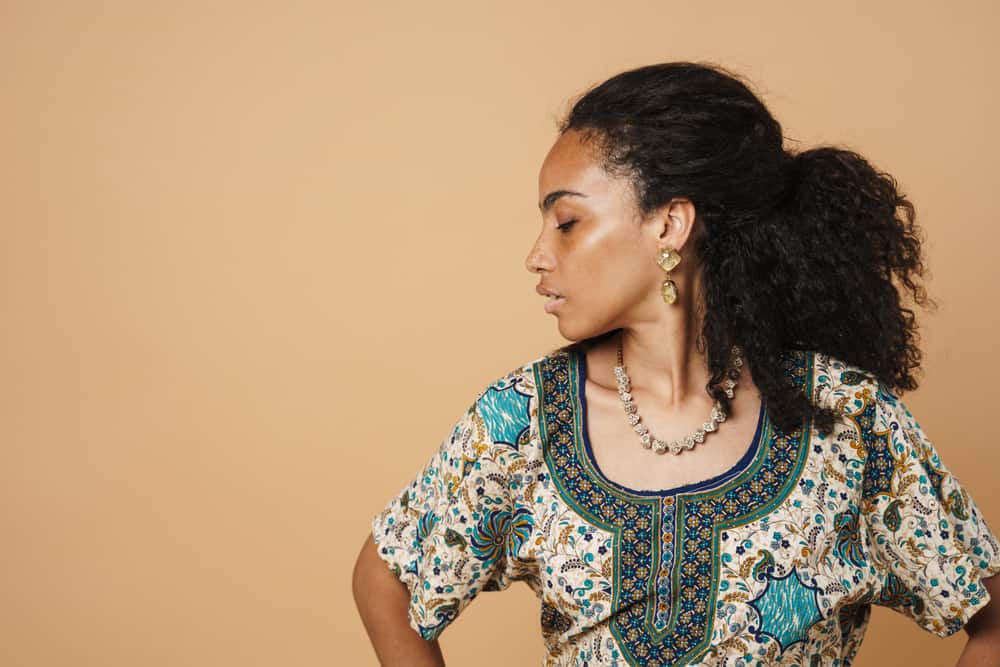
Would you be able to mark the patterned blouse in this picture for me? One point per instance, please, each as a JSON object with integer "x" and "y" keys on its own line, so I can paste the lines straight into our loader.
{"x": 776, "y": 561}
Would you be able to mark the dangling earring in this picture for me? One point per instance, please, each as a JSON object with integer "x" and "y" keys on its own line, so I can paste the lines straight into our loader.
{"x": 668, "y": 259}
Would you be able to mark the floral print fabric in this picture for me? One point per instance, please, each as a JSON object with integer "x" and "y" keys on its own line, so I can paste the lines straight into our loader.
{"x": 776, "y": 561}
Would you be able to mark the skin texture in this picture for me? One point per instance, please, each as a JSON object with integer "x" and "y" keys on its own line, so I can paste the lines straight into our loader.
{"x": 382, "y": 600}
{"x": 983, "y": 629}
{"x": 605, "y": 265}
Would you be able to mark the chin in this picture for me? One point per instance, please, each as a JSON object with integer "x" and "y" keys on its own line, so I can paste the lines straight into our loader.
{"x": 575, "y": 331}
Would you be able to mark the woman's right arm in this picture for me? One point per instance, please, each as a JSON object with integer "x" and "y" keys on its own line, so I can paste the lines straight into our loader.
{"x": 382, "y": 600}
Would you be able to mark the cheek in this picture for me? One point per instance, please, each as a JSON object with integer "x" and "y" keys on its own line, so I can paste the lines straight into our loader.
{"x": 604, "y": 298}
{"x": 612, "y": 277}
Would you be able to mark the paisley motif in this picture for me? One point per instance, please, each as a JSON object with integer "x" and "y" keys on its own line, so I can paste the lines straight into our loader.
{"x": 891, "y": 516}
{"x": 455, "y": 539}
{"x": 848, "y": 542}
{"x": 764, "y": 565}
{"x": 426, "y": 523}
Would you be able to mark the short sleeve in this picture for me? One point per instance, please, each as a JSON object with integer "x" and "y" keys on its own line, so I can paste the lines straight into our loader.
{"x": 454, "y": 530}
{"x": 931, "y": 544}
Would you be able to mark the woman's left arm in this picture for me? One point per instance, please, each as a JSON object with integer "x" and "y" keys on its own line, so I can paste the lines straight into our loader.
{"x": 983, "y": 647}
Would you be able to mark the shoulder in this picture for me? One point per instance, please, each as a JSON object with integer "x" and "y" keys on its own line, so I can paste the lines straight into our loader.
{"x": 847, "y": 387}
{"x": 508, "y": 403}
{"x": 869, "y": 407}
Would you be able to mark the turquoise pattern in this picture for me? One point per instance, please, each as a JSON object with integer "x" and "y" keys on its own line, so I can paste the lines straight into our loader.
{"x": 776, "y": 561}
{"x": 506, "y": 413}
{"x": 500, "y": 533}
{"x": 787, "y": 609}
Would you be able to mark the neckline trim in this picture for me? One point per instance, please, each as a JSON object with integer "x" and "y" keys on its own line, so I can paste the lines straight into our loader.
{"x": 744, "y": 463}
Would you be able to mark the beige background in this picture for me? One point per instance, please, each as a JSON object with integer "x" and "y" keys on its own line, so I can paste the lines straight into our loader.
{"x": 257, "y": 257}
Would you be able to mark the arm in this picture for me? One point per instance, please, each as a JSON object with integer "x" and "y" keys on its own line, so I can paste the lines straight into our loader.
{"x": 983, "y": 647}
{"x": 382, "y": 600}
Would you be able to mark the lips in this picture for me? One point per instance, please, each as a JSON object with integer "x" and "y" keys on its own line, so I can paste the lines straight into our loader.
{"x": 555, "y": 299}
{"x": 546, "y": 291}
{"x": 553, "y": 303}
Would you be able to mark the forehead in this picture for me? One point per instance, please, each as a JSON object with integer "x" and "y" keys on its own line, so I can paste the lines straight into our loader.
{"x": 572, "y": 164}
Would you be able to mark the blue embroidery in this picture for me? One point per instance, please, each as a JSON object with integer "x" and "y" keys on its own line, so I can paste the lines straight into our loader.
{"x": 653, "y": 624}
{"x": 876, "y": 446}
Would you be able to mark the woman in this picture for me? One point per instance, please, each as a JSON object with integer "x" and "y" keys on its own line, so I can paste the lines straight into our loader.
{"x": 720, "y": 291}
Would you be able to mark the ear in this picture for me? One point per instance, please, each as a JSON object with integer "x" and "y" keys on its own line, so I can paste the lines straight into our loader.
{"x": 674, "y": 222}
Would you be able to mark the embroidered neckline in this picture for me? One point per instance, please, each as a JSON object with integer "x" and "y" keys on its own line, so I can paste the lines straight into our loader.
{"x": 665, "y": 559}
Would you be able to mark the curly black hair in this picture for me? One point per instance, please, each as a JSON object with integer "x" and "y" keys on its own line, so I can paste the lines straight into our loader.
{"x": 799, "y": 250}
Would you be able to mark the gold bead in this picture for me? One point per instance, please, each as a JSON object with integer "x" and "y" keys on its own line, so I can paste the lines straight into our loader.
{"x": 669, "y": 291}
{"x": 668, "y": 259}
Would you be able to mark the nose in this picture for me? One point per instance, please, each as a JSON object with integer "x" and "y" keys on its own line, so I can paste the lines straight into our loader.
{"x": 537, "y": 259}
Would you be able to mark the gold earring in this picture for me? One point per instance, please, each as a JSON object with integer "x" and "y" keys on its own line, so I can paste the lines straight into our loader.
{"x": 668, "y": 259}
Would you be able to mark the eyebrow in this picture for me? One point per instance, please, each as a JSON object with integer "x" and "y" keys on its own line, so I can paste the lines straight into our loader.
{"x": 551, "y": 198}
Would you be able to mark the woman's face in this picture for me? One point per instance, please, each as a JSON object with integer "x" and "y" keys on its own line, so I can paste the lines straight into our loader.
{"x": 602, "y": 261}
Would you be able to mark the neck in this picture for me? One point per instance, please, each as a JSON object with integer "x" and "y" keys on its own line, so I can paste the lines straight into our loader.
{"x": 660, "y": 350}
{"x": 664, "y": 361}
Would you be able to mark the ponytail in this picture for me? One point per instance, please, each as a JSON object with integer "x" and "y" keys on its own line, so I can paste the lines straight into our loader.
{"x": 799, "y": 251}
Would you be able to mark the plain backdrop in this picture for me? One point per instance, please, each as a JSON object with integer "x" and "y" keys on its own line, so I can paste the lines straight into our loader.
{"x": 257, "y": 257}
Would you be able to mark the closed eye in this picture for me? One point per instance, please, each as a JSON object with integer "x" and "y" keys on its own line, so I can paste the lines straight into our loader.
{"x": 566, "y": 225}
